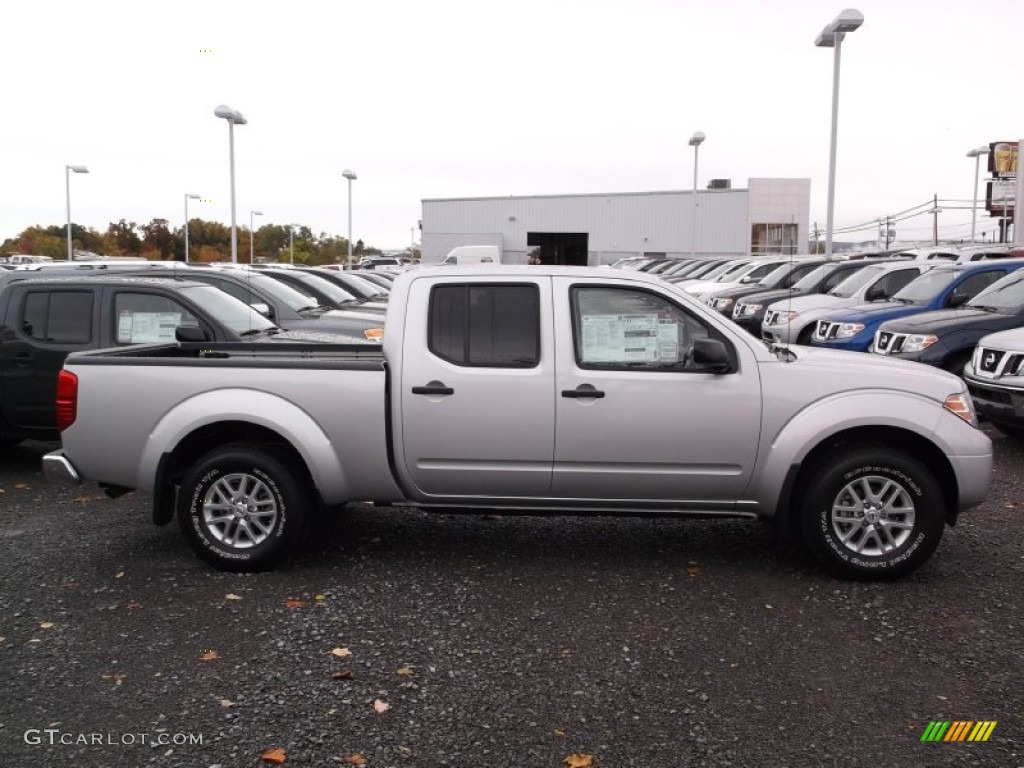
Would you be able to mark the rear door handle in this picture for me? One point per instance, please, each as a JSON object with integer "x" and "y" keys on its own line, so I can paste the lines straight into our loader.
{"x": 583, "y": 390}
{"x": 433, "y": 388}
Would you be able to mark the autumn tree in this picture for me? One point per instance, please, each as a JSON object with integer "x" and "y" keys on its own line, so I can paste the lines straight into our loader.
{"x": 159, "y": 238}
{"x": 123, "y": 237}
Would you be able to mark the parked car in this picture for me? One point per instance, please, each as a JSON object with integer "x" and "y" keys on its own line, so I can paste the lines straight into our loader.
{"x": 325, "y": 291}
{"x": 43, "y": 319}
{"x": 945, "y": 287}
{"x": 995, "y": 379}
{"x": 947, "y": 337}
{"x": 749, "y": 311}
{"x": 356, "y": 284}
{"x": 792, "y": 321}
{"x": 783, "y": 277}
{"x": 591, "y": 391}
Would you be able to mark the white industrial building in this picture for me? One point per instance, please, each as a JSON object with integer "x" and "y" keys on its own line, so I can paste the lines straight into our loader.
{"x": 769, "y": 216}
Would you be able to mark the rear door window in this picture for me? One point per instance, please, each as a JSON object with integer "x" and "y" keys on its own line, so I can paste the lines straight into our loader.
{"x": 58, "y": 317}
{"x": 485, "y": 325}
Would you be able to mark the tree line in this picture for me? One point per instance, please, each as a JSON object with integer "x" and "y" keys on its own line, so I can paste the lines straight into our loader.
{"x": 207, "y": 241}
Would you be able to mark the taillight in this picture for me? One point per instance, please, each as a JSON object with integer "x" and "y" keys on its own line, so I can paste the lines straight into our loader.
{"x": 67, "y": 399}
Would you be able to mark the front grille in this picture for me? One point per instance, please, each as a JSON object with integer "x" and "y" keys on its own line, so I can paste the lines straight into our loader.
{"x": 825, "y": 330}
{"x": 771, "y": 318}
{"x": 889, "y": 343}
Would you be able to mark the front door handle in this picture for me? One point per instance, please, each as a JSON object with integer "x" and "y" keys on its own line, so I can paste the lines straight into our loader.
{"x": 433, "y": 388}
{"x": 583, "y": 390}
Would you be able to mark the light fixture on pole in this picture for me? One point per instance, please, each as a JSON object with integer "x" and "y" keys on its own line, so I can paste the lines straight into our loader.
{"x": 695, "y": 141}
{"x": 291, "y": 243}
{"x": 977, "y": 155}
{"x": 187, "y": 198}
{"x": 351, "y": 177}
{"x": 233, "y": 117}
{"x": 68, "y": 170}
{"x": 832, "y": 37}
{"x": 252, "y": 235}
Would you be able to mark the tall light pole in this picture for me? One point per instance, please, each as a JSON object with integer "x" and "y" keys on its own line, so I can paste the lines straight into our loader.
{"x": 695, "y": 141}
{"x": 832, "y": 37}
{"x": 291, "y": 243}
{"x": 68, "y": 170}
{"x": 187, "y": 198}
{"x": 234, "y": 117}
{"x": 351, "y": 177}
{"x": 977, "y": 155}
{"x": 252, "y": 235}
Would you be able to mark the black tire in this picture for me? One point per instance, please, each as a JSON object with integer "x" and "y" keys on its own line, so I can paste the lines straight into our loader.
{"x": 908, "y": 495}
{"x": 804, "y": 337}
{"x": 273, "y": 513}
{"x": 1010, "y": 430}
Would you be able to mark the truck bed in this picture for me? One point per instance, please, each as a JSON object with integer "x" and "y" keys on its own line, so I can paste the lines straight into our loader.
{"x": 244, "y": 354}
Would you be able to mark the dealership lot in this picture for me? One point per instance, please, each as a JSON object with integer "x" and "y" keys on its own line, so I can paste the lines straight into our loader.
{"x": 417, "y": 640}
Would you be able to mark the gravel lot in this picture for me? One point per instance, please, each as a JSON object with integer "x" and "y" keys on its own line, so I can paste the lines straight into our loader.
{"x": 497, "y": 641}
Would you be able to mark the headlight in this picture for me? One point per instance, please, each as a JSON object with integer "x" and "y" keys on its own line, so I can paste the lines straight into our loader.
{"x": 919, "y": 341}
{"x": 748, "y": 309}
{"x": 787, "y": 317}
{"x": 961, "y": 405}
{"x": 720, "y": 304}
{"x": 846, "y": 330}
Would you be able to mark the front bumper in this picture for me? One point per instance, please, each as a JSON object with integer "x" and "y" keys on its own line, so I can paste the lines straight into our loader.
{"x": 57, "y": 469}
{"x": 1000, "y": 404}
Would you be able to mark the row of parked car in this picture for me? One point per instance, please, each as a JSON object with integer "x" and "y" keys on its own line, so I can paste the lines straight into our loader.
{"x": 48, "y": 311}
{"x": 961, "y": 310}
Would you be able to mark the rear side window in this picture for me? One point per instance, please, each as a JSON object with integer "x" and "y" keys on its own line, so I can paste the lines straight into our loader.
{"x": 494, "y": 326}
{"x": 58, "y": 317}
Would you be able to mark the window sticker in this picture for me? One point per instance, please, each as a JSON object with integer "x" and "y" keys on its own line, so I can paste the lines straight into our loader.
{"x": 629, "y": 338}
{"x": 145, "y": 327}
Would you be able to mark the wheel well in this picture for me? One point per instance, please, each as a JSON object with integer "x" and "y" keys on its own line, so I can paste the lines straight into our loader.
{"x": 205, "y": 439}
{"x": 893, "y": 437}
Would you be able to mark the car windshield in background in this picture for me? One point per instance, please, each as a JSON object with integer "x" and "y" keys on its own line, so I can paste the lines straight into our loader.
{"x": 923, "y": 289}
{"x": 856, "y": 281}
{"x": 231, "y": 312}
{"x": 283, "y": 292}
{"x": 333, "y": 291}
{"x": 359, "y": 284}
{"x": 1006, "y": 294}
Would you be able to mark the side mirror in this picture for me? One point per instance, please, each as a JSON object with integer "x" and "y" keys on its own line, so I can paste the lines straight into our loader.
{"x": 958, "y": 299}
{"x": 263, "y": 309}
{"x": 189, "y": 333}
{"x": 709, "y": 355}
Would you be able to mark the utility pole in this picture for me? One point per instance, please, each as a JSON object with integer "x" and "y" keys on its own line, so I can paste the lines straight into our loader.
{"x": 935, "y": 221}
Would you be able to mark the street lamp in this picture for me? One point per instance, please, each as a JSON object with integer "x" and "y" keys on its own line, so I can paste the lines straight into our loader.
{"x": 977, "y": 155}
{"x": 351, "y": 177}
{"x": 68, "y": 169}
{"x": 695, "y": 141}
{"x": 291, "y": 243}
{"x": 234, "y": 117}
{"x": 252, "y": 234}
{"x": 832, "y": 37}
{"x": 187, "y": 198}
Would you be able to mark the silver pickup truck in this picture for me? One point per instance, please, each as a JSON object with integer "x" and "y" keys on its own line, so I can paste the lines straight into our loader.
{"x": 584, "y": 391}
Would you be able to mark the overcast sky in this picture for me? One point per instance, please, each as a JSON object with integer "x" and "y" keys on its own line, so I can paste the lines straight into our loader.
{"x": 478, "y": 98}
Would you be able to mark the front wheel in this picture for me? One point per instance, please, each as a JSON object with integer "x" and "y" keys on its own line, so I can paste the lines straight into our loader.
{"x": 243, "y": 508}
{"x": 872, "y": 513}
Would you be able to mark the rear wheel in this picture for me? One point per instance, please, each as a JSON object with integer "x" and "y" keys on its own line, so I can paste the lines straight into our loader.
{"x": 243, "y": 508}
{"x": 872, "y": 512}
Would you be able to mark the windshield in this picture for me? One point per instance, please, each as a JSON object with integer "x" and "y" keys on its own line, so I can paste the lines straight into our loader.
{"x": 856, "y": 281}
{"x": 812, "y": 278}
{"x": 233, "y": 313}
{"x": 776, "y": 276}
{"x": 361, "y": 286}
{"x": 923, "y": 289}
{"x": 332, "y": 291}
{"x": 1006, "y": 293}
{"x": 735, "y": 272}
{"x": 715, "y": 271}
{"x": 280, "y": 291}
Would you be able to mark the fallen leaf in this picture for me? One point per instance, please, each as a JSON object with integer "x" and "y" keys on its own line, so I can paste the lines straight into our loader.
{"x": 343, "y": 674}
{"x": 227, "y": 703}
{"x": 693, "y": 568}
{"x": 117, "y": 677}
{"x": 119, "y": 575}
{"x": 2, "y": 638}
{"x": 69, "y": 585}
{"x": 291, "y": 602}
{"x": 22, "y": 486}
{"x": 46, "y": 625}
{"x": 380, "y": 707}
{"x": 274, "y": 755}
{"x": 209, "y": 656}
{"x": 341, "y": 653}
{"x": 88, "y": 499}
{"x": 559, "y": 732}
{"x": 133, "y": 606}
{"x": 232, "y": 596}
{"x": 356, "y": 759}
{"x": 320, "y": 598}
{"x": 766, "y": 605}
{"x": 579, "y": 760}
{"x": 404, "y": 671}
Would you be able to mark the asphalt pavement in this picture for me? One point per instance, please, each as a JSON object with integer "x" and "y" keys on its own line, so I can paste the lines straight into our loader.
{"x": 398, "y": 638}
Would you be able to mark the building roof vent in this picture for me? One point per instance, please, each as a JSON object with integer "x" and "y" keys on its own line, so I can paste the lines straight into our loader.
{"x": 720, "y": 184}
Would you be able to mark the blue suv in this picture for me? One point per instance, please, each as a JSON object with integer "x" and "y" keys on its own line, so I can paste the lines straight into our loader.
{"x": 945, "y": 287}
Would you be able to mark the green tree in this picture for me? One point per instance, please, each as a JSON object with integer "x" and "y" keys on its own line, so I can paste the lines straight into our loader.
{"x": 158, "y": 237}
{"x": 125, "y": 239}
